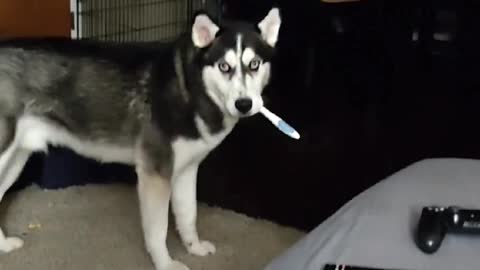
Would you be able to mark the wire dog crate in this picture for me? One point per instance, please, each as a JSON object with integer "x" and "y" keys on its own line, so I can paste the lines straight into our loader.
{"x": 135, "y": 20}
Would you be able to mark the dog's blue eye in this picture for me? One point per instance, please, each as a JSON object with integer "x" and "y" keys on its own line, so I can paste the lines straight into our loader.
{"x": 224, "y": 67}
{"x": 254, "y": 65}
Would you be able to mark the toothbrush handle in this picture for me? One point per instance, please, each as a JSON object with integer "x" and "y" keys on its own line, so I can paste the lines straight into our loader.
{"x": 270, "y": 116}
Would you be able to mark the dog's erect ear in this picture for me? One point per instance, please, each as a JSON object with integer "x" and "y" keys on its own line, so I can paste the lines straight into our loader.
{"x": 203, "y": 30}
{"x": 270, "y": 26}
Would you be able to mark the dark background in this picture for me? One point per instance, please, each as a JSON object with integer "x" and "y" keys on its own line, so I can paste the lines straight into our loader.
{"x": 367, "y": 98}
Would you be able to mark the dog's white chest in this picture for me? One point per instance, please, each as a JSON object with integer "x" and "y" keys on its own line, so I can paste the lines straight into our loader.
{"x": 188, "y": 151}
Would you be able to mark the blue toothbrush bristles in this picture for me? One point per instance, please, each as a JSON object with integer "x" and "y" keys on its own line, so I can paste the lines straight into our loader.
{"x": 280, "y": 124}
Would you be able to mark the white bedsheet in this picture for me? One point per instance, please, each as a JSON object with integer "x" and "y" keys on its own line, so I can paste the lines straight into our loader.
{"x": 376, "y": 228}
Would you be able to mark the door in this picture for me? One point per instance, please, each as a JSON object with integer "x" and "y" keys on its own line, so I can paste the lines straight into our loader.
{"x": 35, "y": 18}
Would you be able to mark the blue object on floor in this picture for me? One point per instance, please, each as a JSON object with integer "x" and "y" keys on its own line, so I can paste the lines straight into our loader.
{"x": 30, "y": 174}
{"x": 62, "y": 168}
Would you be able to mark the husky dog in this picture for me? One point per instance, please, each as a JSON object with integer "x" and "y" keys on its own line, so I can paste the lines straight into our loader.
{"x": 160, "y": 108}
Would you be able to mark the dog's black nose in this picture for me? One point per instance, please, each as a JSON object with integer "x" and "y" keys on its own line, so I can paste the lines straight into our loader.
{"x": 243, "y": 105}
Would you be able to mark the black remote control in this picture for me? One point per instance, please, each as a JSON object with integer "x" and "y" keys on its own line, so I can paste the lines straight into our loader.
{"x": 332, "y": 266}
{"x": 435, "y": 222}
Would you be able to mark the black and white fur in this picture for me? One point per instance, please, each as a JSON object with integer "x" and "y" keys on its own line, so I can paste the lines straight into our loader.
{"x": 159, "y": 107}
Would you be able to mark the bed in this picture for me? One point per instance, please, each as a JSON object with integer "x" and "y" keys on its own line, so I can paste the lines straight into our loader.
{"x": 376, "y": 227}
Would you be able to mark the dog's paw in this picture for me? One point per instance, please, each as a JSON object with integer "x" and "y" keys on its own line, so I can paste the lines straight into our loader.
{"x": 175, "y": 265}
{"x": 201, "y": 248}
{"x": 10, "y": 244}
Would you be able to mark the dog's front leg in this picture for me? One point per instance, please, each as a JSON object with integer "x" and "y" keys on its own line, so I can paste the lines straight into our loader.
{"x": 154, "y": 190}
{"x": 184, "y": 205}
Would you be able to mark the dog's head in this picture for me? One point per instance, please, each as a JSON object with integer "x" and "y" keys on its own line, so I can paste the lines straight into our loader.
{"x": 236, "y": 60}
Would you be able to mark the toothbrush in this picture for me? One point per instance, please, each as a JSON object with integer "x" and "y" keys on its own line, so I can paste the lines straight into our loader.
{"x": 280, "y": 124}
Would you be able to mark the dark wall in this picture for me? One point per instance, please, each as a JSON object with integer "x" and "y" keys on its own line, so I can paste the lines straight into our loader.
{"x": 367, "y": 99}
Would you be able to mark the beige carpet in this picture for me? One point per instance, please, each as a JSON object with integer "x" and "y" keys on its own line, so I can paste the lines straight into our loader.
{"x": 97, "y": 227}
